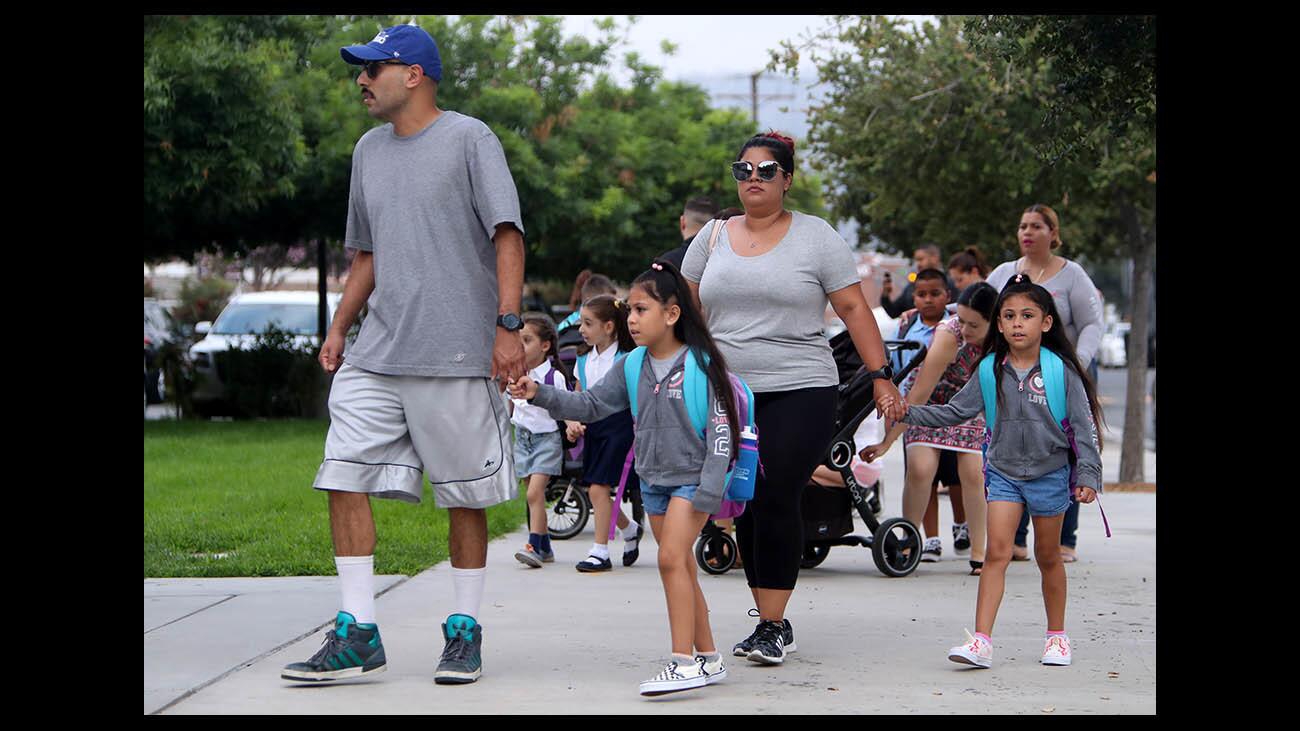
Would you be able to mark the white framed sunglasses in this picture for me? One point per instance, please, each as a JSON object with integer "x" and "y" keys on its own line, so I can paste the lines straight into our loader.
{"x": 741, "y": 170}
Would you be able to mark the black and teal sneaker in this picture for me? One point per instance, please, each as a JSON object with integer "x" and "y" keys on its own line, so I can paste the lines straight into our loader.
{"x": 462, "y": 660}
{"x": 350, "y": 650}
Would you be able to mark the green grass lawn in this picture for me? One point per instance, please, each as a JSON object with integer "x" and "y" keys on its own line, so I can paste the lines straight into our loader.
{"x": 235, "y": 499}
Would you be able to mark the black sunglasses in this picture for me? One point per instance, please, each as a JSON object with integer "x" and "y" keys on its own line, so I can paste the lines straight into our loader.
{"x": 372, "y": 67}
{"x": 767, "y": 170}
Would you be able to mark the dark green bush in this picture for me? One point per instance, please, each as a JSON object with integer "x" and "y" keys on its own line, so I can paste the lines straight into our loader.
{"x": 273, "y": 377}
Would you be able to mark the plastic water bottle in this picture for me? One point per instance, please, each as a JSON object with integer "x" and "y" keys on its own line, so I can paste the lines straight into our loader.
{"x": 745, "y": 474}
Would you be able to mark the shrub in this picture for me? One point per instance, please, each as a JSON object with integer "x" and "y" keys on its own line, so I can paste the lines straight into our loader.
{"x": 275, "y": 376}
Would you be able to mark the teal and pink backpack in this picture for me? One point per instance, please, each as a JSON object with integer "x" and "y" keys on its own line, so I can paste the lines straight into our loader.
{"x": 744, "y": 470}
{"x": 1053, "y": 370}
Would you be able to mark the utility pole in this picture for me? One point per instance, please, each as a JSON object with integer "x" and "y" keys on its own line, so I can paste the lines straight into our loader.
{"x": 754, "y": 96}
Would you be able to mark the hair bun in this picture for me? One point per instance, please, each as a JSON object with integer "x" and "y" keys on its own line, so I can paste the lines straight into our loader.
{"x": 788, "y": 141}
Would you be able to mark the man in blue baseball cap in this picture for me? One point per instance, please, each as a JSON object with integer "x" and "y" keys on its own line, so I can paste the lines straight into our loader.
{"x": 433, "y": 215}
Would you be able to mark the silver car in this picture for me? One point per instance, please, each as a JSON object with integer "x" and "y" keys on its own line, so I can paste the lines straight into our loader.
{"x": 244, "y": 317}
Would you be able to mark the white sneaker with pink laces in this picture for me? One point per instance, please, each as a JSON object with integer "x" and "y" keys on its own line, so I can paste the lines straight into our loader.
{"x": 1057, "y": 651}
{"x": 975, "y": 652}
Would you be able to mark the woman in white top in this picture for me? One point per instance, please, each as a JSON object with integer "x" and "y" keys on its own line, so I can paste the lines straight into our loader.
{"x": 1080, "y": 310}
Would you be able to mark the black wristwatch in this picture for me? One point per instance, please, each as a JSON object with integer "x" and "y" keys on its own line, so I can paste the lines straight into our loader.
{"x": 510, "y": 321}
{"x": 886, "y": 372}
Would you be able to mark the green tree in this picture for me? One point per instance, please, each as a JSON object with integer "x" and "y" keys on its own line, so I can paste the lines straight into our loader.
{"x": 1100, "y": 124}
{"x": 602, "y": 169}
{"x": 945, "y": 133}
{"x": 922, "y": 141}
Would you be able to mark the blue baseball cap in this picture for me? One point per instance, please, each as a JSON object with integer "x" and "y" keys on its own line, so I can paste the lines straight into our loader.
{"x": 409, "y": 44}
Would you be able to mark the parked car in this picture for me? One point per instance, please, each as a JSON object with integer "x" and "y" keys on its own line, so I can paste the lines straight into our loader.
{"x": 238, "y": 325}
{"x": 160, "y": 329}
{"x": 1113, "y": 350}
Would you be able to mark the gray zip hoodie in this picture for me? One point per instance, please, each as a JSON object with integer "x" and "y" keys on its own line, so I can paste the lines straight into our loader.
{"x": 1027, "y": 443}
{"x": 669, "y": 451}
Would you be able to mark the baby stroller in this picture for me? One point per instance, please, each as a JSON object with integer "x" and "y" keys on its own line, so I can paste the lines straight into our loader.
{"x": 568, "y": 505}
{"x": 828, "y": 511}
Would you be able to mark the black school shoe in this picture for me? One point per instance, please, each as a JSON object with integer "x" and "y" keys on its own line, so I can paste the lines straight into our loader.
{"x": 632, "y": 548}
{"x": 593, "y": 564}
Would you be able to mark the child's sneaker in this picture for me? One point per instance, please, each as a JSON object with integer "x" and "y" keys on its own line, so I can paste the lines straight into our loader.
{"x": 1057, "y": 651}
{"x": 975, "y": 652}
{"x": 713, "y": 670}
{"x": 961, "y": 539}
{"x": 933, "y": 550}
{"x": 350, "y": 650}
{"x": 531, "y": 556}
{"x": 676, "y": 676}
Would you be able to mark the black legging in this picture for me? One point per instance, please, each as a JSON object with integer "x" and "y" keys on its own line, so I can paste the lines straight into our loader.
{"x": 794, "y": 430}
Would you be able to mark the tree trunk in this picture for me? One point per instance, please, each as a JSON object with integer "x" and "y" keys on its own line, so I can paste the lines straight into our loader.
{"x": 322, "y": 276}
{"x": 1142, "y": 248}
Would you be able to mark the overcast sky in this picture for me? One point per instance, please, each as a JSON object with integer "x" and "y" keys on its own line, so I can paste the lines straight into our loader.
{"x": 712, "y": 43}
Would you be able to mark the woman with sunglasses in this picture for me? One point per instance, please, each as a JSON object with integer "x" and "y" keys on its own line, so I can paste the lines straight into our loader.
{"x": 764, "y": 279}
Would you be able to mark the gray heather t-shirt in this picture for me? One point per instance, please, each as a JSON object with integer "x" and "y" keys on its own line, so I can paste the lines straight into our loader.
{"x": 428, "y": 205}
{"x": 661, "y": 367}
{"x": 767, "y": 312}
{"x": 1076, "y": 301}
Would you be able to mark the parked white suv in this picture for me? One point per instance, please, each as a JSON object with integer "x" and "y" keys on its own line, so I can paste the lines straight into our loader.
{"x": 244, "y": 317}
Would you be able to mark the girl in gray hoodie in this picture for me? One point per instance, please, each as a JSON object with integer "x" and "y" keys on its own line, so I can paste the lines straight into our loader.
{"x": 683, "y": 477}
{"x": 1029, "y": 456}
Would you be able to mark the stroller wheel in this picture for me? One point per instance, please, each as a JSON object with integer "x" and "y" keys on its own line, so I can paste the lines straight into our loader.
{"x": 813, "y": 555}
{"x": 716, "y": 551}
{"x": 567, "y": 508}
{"x": 896, "y": 547}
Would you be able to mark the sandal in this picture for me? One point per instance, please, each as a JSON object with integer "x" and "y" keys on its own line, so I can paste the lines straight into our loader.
{"x": 1019, "y": 553}
{"x": 976, "y": 568}
{"x": 1068, "y": 555}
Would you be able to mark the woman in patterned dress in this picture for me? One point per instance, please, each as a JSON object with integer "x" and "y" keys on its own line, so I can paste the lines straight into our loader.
{"x": 949, "y": 363}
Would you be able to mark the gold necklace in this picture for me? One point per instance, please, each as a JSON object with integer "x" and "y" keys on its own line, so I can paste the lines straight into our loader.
{"x": 1039, "y": 278}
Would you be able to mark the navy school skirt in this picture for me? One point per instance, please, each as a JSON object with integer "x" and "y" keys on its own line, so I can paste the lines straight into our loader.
{"x": 605, "y": 447}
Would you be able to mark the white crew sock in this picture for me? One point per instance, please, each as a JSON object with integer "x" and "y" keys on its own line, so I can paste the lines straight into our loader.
{"x": 357, "y": 580}
{"x": 599, "y": 550}
{"x": 629, "y": 533}
{"x": 468, "y": 585}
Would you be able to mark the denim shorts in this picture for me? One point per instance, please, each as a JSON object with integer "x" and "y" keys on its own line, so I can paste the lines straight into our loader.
{"x": 1044, "y": 496}
{"x": 655, "y": 497}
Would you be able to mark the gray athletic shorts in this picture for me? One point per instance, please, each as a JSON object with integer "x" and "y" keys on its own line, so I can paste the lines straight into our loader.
{"x": 387, "y": 430}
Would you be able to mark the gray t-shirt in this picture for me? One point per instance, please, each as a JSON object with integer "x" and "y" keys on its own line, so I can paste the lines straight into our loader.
{"x": 1076, "y": 302}
{"x": 661, "y": 367}
{"x": 428, "y": 205}
{"x": 767, "y": 312}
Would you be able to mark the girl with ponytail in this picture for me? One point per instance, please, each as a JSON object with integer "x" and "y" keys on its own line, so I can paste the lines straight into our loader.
{"x": 683, "y": 476}
{"x": 1035, "y": 460}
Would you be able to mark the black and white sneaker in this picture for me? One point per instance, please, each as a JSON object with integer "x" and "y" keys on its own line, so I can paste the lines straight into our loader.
{"x": 961, "y": 539}
{"x": 713, "y": 670}
{"x": 745, "y": 646}
{"x": 932, "y": 551}
{"x": 742, "y": 648}
{"x": 769, "y": 645}
{"x": 677, "y": 676}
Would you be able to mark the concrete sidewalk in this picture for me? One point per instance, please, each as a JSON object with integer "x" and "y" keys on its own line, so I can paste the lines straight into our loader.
{"x": 556, "y": 641}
